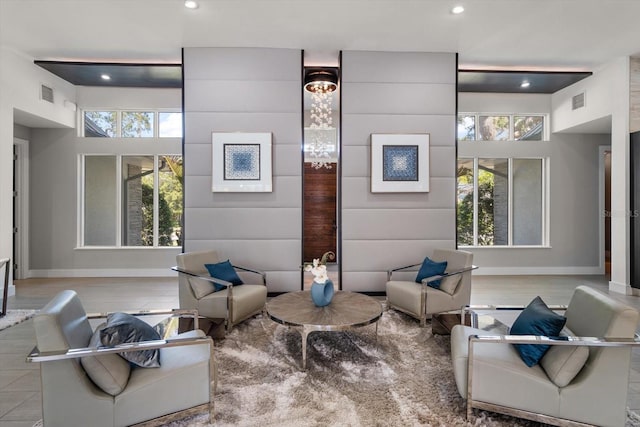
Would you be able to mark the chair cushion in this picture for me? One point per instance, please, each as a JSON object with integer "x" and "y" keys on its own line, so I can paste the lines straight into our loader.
{"x": 562, "y": 363}
{"x": 431, "y": 268}
{"x": 124, "y": 328}
{"x": 225, "y": 271}
{"x": 536, "y": 319}
{"x": 110, "y": 372}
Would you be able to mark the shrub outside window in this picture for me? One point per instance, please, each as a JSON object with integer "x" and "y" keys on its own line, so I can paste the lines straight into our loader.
{"x": 137, "y": 124}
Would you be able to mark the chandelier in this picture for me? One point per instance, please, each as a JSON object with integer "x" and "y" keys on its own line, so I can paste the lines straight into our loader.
{"x": 321, "y": 84}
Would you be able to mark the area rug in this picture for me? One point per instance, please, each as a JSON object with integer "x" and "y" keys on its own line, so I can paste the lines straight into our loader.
{"x": 13, "y": 317}
{"x": 402, "y": 378}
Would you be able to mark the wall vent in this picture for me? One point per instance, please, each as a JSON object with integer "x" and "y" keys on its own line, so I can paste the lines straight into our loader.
{"x": 46, "y": 93}
{"x": 577, "y": 101}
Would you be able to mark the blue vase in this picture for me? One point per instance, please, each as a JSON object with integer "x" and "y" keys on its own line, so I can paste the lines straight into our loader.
{"x": 322, "y": 293}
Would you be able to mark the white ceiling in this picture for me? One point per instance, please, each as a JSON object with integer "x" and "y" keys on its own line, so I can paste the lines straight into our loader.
{"x": 520, "y": 34}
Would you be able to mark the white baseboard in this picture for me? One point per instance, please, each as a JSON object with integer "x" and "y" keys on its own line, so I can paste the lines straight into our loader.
{"x": 620, "y": 288}
{"x": 114, "y": 272}
{"x": 537, "y": 271}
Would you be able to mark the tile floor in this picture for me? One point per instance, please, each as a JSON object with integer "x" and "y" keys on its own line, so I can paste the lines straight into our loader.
{"x": 20, "y": 404}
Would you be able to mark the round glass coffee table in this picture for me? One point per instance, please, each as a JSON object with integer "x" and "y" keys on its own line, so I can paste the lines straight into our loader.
{"x": 347, "y": 310}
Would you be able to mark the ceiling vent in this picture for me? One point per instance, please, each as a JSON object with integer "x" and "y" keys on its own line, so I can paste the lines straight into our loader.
{"x": 46, "y": 93}
{"x": 577, "y": 101}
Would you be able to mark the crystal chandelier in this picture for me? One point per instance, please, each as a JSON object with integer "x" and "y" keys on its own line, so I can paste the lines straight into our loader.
{"x": 321, "y": 84}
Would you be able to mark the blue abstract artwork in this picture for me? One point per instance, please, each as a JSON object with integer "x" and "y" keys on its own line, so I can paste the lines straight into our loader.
{"x": 400, "y": 163}
{"x": 241, "y": 162}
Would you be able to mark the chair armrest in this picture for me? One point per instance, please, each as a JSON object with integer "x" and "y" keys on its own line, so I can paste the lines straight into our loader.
{"x": 451, "y": 273}
{"x": 73, "y": 353}
{"x": 471, "y": 310}
{"x": 200, "y": 276}
{"x": 176, "y": 312}
{"x": 544, "y": 340}
{"x": 250, "y": 270}
{"x": 393, "y": 270}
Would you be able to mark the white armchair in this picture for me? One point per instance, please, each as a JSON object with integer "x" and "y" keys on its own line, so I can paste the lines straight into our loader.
{"x": 581, "y": 380}
{"x": 74, "y": 393}
{"x": 232, "y": 304}
{"x": 420, "y": 300}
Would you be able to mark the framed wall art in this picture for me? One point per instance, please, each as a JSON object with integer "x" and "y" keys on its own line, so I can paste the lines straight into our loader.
{"x": 399, "y": 163}
{"x": 241, "y": 162}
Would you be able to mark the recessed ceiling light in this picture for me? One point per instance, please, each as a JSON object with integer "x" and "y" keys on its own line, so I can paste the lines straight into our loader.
{"x": 191, "y": 4}
{"x": 457, "y": 10}
{"x": 525, "y": 84}
{"x": 105, "y": 77}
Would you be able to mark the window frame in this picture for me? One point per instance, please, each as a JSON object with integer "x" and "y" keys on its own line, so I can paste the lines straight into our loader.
{"x": 545, "y": 211}
{"x": 119, "y": 111}
{"x": 512, "y": 116}
{"x": 119, "y": 201}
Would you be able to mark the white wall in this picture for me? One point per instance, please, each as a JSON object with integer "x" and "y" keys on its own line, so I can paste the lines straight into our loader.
{"x": 20, "y": 82}
{"x": 574, "y": 217}
{"x": 54, "y": 191}
{"x": 607, "y": 94}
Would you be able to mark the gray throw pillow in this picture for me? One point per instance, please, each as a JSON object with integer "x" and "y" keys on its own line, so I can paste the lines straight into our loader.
{"x": 450, "y": 284}
{"x": 201, "y": 287}
{"x": 562, "y": 363}
{"x": 109, "y": 372}
{"x": 123, "y": 328}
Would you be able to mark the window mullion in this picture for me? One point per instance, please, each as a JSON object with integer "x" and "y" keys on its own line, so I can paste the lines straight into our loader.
{"x": 510, "y": 202}
{"x": 82, "y": 198}
{"x": 475, "y": 201}
{"x": 156, "y": 210}
{"x": 119, "y": 207}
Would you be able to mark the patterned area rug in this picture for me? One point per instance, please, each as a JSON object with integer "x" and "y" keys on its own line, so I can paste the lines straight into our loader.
{"x": 402, "y": 378}
{"x": 13, "y": 317}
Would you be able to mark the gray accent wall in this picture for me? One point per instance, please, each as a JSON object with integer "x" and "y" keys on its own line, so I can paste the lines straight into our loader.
{"x": 245, "y": 90}
{"x": 395, "y": 92}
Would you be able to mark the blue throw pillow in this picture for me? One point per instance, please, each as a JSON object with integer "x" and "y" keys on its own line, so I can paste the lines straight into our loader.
{"x": 431, "y": 268}
{"x": 225, "y": 271}
{"x": 536, "y": 319}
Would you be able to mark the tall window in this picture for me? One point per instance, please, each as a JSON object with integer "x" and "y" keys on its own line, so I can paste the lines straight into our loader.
{"x": 132, "y": 200}
{"x": 501, "y": 202}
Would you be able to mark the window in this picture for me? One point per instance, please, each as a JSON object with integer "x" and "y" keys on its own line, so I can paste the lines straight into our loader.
{"x": 501, "y": 202}
{"x": 137, "y": 124}
{"x": 131, "y": 200}
{"x": 170, "y": 125}
{"x": 100, "y": 124}
{"x": 503, "y": 127}
{"x": 132, "y": 124}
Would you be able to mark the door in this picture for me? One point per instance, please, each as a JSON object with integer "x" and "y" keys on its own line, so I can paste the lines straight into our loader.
{"x": 320, "y": 207}
{"x": 20, "y": 208}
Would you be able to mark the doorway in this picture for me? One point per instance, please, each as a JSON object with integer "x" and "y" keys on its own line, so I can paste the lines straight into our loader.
{"x": 20, "y": 208}
{"x": 605, "y": 201}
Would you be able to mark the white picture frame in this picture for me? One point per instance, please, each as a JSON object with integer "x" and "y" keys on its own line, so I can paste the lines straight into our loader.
{"x": 241, "y": 162}
{"x": 400, "y": 163}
